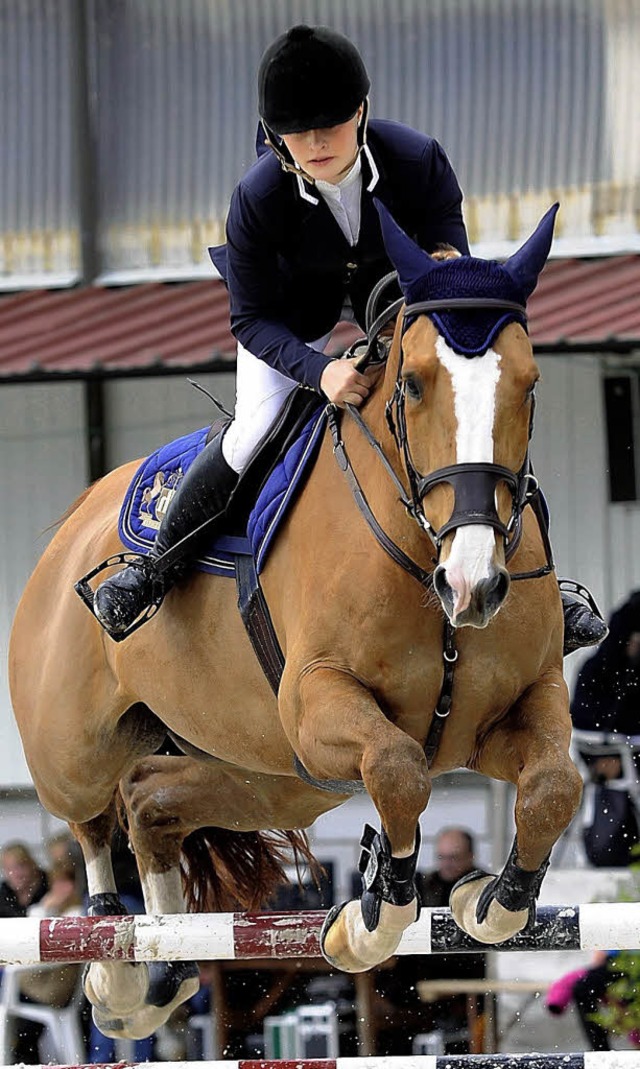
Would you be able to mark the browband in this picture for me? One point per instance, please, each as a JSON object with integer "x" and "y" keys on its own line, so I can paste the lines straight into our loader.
{"x": 441, "y": 304}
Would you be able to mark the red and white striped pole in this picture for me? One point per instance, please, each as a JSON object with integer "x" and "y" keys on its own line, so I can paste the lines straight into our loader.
{"x": 229, "y": 936}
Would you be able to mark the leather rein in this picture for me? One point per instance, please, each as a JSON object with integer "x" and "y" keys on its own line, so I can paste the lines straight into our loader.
{"x": 474, "y": 485}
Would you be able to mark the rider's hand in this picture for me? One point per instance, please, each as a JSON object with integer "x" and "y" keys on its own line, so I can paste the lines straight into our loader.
{"x": 343, "y": 384}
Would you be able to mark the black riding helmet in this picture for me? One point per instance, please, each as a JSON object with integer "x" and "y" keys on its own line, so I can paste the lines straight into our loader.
{"x": 310, "y": 77}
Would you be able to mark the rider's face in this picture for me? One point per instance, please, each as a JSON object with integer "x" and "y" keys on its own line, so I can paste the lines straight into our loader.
{"x": 329, "y": 153}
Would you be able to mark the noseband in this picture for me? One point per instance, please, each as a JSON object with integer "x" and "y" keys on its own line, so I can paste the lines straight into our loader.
{"x": 474, "y": 484}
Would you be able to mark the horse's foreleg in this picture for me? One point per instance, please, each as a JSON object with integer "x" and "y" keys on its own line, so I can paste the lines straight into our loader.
{"x": 115, "y": 989}
{"x": 339, "y": 732}
{"x": 530, "y": 749}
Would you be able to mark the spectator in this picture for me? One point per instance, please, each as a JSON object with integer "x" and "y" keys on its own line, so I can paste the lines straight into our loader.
{"x": 63, "y": 847}
{"x": 23, "y": 881}
{"x": 405, "y": 1013}
{"x": 455, "y": 850}
{"x": 35, "y": 895}
{"x": 54, "y": 984}
{"x": 607, "y": 692}
{"x": 607, "y": 700}
{"x": 587, "y": 989}
{"x": 23, "y": 884}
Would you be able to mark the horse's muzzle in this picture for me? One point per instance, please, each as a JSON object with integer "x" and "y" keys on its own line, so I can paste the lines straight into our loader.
{"x": 483, "y": 602}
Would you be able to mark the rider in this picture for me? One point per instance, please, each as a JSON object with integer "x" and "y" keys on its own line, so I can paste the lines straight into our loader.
{"x": 304, "y": 250}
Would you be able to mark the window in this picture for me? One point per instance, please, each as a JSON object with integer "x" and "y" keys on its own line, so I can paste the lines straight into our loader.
{"x": 622, "y": 408}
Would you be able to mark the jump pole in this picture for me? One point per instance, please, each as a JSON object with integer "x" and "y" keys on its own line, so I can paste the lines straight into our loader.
{"x": 615, "y": 1059}
{"x": 229, "y": 936}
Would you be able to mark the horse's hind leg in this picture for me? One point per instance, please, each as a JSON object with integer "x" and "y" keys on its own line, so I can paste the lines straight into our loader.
{"x": 339, "y": 732}
{"x": 115, "y": 989}
{"x": 156, "y": 832}
{"x": 531, "y": 749}
{"x": 133, "y": 1000}
{"x": 168, "y": 798}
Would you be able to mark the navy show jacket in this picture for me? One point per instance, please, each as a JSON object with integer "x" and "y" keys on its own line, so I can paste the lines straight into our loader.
{"x": 288, "y": 266}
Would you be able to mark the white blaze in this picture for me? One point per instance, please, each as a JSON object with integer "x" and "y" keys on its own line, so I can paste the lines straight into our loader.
{"x": 474, "y": 381}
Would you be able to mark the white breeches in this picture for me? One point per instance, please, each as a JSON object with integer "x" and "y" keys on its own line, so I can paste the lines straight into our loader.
{"x": 261, "y": 391}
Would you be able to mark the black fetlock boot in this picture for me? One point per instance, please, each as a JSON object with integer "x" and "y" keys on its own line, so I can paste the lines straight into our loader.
{"x": 514, "y": 889}
{"x": 583, "y": 623}
{"x": 189, "y": 524}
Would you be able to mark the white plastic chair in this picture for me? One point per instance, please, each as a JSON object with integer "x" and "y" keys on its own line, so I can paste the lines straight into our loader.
{"x": 63, "y": 1025}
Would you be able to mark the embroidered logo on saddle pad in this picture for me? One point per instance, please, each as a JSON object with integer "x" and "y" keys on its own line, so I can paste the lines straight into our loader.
{"x": 158, "y": 477}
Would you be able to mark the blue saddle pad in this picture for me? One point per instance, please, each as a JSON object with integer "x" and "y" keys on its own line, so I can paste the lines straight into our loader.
{"x": 158, "y": 477}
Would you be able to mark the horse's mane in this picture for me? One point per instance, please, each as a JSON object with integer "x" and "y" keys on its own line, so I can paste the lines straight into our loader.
{"x": 71, "y": 509}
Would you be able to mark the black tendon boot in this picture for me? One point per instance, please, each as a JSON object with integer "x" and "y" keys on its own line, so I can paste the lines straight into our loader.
{"x": 385, "y": 878}
{"x": 201, "y": 498}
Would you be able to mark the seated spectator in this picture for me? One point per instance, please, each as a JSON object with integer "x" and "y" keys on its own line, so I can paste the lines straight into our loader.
{"x": 54, "y": 984}
{"x": 35, "y": 895}
{"x": 23, "y": 881}
{"x": 63, "y": 847}
{"x": 606, "y": 700}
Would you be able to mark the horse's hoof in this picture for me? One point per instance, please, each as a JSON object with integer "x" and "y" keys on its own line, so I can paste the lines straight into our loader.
{"x": 116, "y": 989}
{"x": 334, "y": 939}
{"x": 149, "y": 1018}
{"x": 346, "y": 943}
{"x": 499, "y": 923}
{"x": 113, "y": 1027}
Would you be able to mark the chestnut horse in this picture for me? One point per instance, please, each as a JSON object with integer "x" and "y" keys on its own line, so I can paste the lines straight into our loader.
{"x": 437, "y": 460}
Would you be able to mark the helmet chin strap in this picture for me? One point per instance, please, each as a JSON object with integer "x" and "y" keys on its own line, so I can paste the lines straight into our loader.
{"x": 289, "y": 164}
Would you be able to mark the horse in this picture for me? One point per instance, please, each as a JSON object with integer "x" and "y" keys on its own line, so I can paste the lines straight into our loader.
{"x": 410, "y": 650}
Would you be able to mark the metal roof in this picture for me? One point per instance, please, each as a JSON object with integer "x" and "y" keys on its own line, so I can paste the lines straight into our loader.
{"x": 580, "y": 305}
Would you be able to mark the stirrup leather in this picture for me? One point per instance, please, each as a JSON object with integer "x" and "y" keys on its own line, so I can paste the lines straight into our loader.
{"x": 158, "y": 590}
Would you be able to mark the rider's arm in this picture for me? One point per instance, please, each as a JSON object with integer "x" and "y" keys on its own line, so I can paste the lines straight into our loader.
{"x": 256, "y": 300}
{"x": 441, "y": 221}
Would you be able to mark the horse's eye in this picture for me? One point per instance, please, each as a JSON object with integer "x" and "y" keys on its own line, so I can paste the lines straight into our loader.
{"x": 413, "y": 386}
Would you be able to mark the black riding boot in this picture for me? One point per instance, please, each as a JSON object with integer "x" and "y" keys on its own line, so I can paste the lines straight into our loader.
{"x": 201, "y": 498}
{"x": 582, "y": 627}
{"x": 583, "y": 624}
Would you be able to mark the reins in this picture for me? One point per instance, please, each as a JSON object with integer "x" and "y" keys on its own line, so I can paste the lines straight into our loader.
{"x": 479, "y": 495}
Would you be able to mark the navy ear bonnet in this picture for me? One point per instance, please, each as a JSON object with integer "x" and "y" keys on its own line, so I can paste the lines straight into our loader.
{"x": 469, "y": 332}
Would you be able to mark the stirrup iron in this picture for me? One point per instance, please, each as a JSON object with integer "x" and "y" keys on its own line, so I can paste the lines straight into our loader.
{"x": 158, "y": 590}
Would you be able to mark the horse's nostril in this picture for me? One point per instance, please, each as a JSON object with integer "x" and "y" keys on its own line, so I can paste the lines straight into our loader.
{"x": 496, "y": 589}
{"x": 441, "y": 585}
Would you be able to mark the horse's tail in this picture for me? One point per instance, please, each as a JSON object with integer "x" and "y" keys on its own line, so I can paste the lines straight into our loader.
{"x": 227, "y": 870}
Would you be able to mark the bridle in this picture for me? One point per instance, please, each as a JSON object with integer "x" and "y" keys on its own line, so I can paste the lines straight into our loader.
{"x": 474, "y": 484}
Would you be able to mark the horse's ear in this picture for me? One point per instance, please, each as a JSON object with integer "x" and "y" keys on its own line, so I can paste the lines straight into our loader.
{"x": 410, "y": 261}
{"x": 526, "y": 264}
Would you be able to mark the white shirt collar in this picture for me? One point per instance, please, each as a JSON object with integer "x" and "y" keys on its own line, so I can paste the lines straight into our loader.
{"x": 336, "y": 189}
